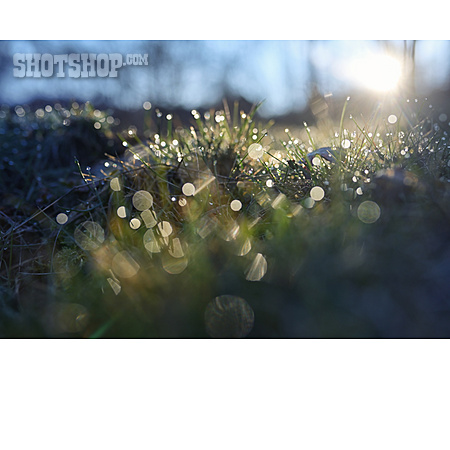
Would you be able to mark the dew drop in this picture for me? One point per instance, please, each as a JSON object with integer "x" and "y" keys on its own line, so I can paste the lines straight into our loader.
{"x": 114, "y": 184}
{"x": 62, "y": 218}
{"x": 188, "y": 189}
{"x": 122, "y": 212}
{"x": 235, "y": 205}
{"x": 392, "y": 119}
{"x": 135, "y": 223}
{"x": 317, "y": 193}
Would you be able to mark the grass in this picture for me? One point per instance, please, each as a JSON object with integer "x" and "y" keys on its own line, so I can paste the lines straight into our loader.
{"x": 225, "y": 227}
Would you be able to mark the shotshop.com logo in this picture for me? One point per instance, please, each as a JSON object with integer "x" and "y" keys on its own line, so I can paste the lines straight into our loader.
{"x": 74, "y": 65}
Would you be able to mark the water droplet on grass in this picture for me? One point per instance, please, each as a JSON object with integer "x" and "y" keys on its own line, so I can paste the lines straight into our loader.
{"x": 135, "y": 223}
{"x": 114, "y": 184}
{"x": 317, "y": 193}
{"x": 62, "y": 218}
{"x": 235, "y": 205}
{"x": 122, "y": 212}
{"x": 188, "y": 189}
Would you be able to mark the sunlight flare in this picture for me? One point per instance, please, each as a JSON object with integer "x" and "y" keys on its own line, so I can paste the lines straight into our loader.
{"x": 381, "y": 73}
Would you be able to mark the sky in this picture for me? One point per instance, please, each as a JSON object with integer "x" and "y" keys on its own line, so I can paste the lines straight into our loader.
{"x": 195, "y": 74}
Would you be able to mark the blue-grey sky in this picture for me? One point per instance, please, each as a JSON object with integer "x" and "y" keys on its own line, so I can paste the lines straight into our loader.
{"x": 192, "y": 74}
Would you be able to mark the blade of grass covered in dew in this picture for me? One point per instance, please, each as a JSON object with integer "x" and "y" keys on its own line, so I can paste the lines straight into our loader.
{"x": 93, "y": 188}
{"x": 148, "y": 166}
{"x": 366, "y": 135}
{"x": 39, "y": 211}
{"x": 60, "y": 228}
{"x": 241, "y": 161}
{"x": 341, "y": 124}
{"x": 169, "y": 127}
{"x": 358, "y": 147}
{"x": 303, "y": 155}
{"x": 309, "y": 136}
{"x": 228, "y": 119}
{"x": 235, "y": 114}
{"x": 11, "y": 243}
{"x": 248, "y": 119}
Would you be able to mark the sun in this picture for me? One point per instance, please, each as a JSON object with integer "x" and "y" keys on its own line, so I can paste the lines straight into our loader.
{"x": 381, "y": 72}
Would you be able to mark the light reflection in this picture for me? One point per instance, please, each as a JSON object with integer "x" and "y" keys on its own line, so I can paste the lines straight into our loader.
{"x": 235, "y": 205}
{"x": 379, "y": 72}
{"x": 279, "y": 201}
{"x": 165, "y": 228}
{"x": 257, "y": 269}
{"x": 317, "y": 193}
{"x": 308, "y": 202}
{"x": 122, "y": 212}
{"x": 114, "y": 184}
{"x": 392, "y": 119}
{"x": 175, "y": 249}
{"x": 150, "y": 242}
{"x": 188, "y": 189}
{"x": 174, "y": 266}
{"x": 255, "y": 151}
{"x": 228, "y": 316}
{"x": 115, "y": 285}
{"x": 67, "y": 317}
{"x": 142, "y": 200}
{"x": 62, "y": 218}
{"x": 135, "y": 223}
{"x": 124, "y": 266}
{"x": 368, "y": 212}
{"x": 89, "y": 235}
{"x": 244, "y": 248}
{"x": 149, "y": 218}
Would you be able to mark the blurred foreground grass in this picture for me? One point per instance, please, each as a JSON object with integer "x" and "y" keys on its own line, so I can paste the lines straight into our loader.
{"x": 226, "y": 228}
